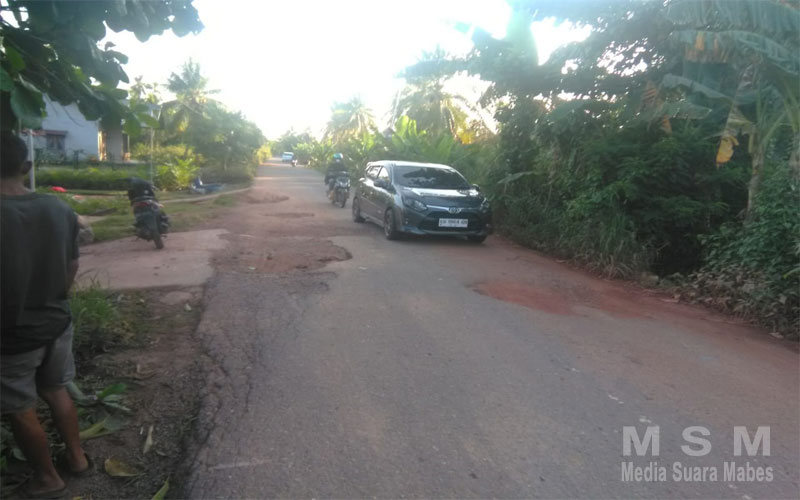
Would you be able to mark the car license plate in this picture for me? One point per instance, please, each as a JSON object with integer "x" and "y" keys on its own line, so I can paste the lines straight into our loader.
{"x": 453, "y": 222}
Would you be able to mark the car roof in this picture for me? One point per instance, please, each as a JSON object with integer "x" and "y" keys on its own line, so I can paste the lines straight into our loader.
{"x": 288, "y": 153}
{"x": 393, "y": 163}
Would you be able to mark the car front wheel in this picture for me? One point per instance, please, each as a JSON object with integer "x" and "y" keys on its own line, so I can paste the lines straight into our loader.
{"x": 356, "y": 207}
{"x": 390, "y": 226}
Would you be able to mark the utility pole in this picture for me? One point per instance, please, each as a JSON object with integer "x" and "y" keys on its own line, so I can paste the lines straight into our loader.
{"x": 33, "y": 159}
{"x": 152, "y": 134}
{"x": 152, "y": 141}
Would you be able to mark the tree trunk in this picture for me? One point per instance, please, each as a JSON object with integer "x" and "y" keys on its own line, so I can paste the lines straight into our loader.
{"x": 794, "y": 158}
{"x": 755, "y": 177}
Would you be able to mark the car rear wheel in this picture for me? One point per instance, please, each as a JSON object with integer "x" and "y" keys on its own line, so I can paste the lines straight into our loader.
{"x": 390, "y": 226}
{"x": 356, "y": 206}
{"x": 477, "y": 239}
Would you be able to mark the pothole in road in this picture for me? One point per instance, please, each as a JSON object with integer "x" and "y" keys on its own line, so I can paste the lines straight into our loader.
{"x": 289, "y": 215}
{"x": 279, "y": 255}
{"x": 265, "y": 198}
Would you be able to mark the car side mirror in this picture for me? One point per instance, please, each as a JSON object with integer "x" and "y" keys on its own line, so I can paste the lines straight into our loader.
{"x": 476, "y": 187}
{"x": 381, "y": 183}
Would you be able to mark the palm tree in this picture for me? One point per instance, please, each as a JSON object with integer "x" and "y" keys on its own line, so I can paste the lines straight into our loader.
{"x": 434, "y": 109}
{"x": 183, "y": 114}
{"x": 350, "y": 119}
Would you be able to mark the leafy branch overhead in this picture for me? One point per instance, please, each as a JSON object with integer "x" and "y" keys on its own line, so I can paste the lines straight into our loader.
{"x": 54, "y": 48}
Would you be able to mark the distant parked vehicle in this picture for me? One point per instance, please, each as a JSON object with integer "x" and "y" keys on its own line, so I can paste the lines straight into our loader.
{"x": 289, "y": 157}
{"x": 200, "y": 187}
{"x": 421, "y": 198}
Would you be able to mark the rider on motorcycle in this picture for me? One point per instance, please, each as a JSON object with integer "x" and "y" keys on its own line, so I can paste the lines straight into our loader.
{"x": 140, "y": 188}
{"x": 336, "y": 168}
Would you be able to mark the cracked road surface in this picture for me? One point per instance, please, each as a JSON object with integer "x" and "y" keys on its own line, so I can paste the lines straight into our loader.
{"x": 343, "y": 365}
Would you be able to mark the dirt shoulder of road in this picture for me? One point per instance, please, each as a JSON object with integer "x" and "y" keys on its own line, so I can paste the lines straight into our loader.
{"x": 166, "y": 369}
{"x": 159, "y": 294}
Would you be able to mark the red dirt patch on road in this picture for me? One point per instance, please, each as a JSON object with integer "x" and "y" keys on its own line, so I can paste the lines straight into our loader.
{"x": 529, "y": 296}
{"x": 618, "y": 303}
{"x": 550, "y": 300}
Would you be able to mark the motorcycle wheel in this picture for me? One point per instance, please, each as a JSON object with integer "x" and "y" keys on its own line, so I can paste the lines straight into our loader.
{"x": 155, "y": 233}
{"x": 343, "y": 200}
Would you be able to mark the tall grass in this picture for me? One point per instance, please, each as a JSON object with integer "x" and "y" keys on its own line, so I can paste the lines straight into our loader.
{"x": 97, "y": 320}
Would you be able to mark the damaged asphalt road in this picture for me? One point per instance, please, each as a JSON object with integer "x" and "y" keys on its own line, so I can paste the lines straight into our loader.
{"x": 343, "y": 365}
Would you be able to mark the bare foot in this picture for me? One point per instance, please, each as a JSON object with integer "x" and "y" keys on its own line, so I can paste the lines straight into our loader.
{"x": 77, "y": 462}
{"x": 44, "y": 487}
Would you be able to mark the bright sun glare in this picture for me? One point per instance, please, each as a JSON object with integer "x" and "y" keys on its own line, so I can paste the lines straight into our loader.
{"x": 283, "y": 64}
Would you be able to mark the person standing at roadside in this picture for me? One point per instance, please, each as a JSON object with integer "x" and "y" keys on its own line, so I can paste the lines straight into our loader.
{"x": 38, "y": 263}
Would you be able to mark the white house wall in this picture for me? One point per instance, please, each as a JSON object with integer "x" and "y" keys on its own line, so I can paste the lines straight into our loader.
{"x": 114, "y": 145}
{"x": 81, "y": 134}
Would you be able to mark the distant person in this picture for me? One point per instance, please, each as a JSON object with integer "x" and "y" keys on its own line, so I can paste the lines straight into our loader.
{"x": 38, "y": 263}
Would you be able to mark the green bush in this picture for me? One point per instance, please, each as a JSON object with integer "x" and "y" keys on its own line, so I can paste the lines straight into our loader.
{"x": 233, "y": 175}
{"x": 176, "y": 175}
{"x": 163, "y": 155}
{"x": 623, "y": 200}
{"x": 753, "y": 267}
{"x": 102, "y": 179}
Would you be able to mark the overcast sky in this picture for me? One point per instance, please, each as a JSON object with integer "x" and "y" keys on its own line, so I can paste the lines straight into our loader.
{"x": 284, "y": 63}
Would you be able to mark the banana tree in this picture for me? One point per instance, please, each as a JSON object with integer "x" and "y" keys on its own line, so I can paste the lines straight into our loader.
{"x": 410, "y": 143}
{"x": 758, "y": 41}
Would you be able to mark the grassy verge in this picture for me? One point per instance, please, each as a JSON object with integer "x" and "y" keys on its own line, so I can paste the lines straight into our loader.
{"x": 183, "y": 217}
{"x": 188, "y": 195}
{"x": 102, "y": 321}
{"x": 88, "y": 202}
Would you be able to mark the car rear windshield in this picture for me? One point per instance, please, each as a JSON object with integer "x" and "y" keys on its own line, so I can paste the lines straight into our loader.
{"x": 429, "y": 177}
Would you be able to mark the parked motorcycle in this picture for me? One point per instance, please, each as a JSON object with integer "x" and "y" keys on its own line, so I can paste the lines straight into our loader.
{"x": 200, "y": 187}
{"x": 341, "y": 191}
{"x": 151, "y": 221}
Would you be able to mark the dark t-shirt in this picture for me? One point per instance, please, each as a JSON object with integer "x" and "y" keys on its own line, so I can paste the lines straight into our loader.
{"x": 334, "y": 170}
{"x": 38, "y": 240}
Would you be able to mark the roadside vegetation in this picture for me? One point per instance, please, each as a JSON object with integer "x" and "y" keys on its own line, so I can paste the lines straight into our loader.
{"x": 195, "y": 137}
{"x": 665, "y": 146}
{"x": 102, "y": 322}
{"x": 125, "y": 393}
{"x": 56, "y": 49}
